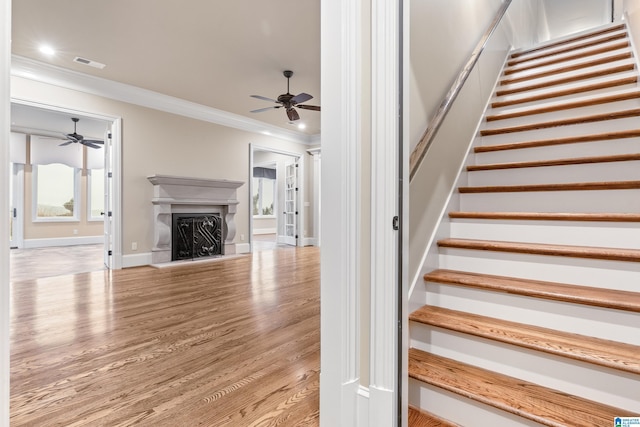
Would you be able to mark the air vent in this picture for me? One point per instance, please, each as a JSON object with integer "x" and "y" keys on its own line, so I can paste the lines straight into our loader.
{"x": 88, "y": 62}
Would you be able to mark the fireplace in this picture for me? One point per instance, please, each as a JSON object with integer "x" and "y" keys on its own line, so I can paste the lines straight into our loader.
{"x": 196, "y": 236}
{"x": 193, "y": 197}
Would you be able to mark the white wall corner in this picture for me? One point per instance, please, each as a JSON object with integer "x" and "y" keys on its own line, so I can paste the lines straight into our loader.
{"x": 5, "y": 126}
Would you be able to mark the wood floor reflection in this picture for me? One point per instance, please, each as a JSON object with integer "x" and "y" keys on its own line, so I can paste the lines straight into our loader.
{"x": 37, "y": 263}
{"x": 227, "y": 343}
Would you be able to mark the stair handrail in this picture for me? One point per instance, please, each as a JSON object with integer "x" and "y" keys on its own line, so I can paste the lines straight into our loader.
{"x": 419, "y": 152}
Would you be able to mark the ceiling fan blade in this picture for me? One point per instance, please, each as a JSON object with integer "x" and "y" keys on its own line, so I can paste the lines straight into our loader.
{"x": 309, "y": 107}
{"x": 66, "y": 143}
{"x": 264, "y": 98}
{"x": 300, "y": 98}
{"x": 260, "y": 110}
{"x": 90, "y": 143}
{"x": 292, "y": 114}
{"x": 93, "y": 141}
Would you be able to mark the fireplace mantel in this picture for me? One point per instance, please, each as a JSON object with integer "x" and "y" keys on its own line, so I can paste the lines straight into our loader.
{"x": 175, "y": 194}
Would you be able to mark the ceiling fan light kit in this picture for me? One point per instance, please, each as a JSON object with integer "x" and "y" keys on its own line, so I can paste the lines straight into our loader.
{"x": 288, "y": 101}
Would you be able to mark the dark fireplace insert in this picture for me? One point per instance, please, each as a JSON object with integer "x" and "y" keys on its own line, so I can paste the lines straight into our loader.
{"x": 196, "y": 236}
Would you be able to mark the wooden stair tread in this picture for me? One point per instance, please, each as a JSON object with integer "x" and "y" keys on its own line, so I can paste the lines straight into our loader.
{"x": 607, "y": 136}
{"x": 633, "y": 112}
{"x": 557, "y": 43}
{"x": 569, "y": 186}
{"x": 576, "y": 294}
{"x": 566, "y": 69}
{"x": 540, "y": 404}
{"x": 579, "y": 55}
{"x": 571, "y": 79}
{"x": 556, "y": 162}
{"x": 557, "y": 51}
{"x": 565, "y": 106}
{"x": 550, "y": 216}
{"x": 611, "y": 354}
{"x": 419, "y": 418}
{"x": 590, "y": 252}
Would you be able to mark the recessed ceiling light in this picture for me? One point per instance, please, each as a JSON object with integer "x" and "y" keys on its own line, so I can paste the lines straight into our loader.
{"x": 47, "y": 50}
{"x": 302, "y": 126}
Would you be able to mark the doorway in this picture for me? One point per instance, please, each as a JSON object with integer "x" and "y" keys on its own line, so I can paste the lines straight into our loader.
{"x": 91, "y": 216}
{"x": 276, "y": 191}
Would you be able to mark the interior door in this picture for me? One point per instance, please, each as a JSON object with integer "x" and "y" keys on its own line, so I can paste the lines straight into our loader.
{"x": 291, "y": 203}
{"x": 108, "y": 201}
{"x": 16, "y": 204}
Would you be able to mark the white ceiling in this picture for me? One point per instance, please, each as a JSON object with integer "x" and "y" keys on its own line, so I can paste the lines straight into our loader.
{"x": 212, "y": 52}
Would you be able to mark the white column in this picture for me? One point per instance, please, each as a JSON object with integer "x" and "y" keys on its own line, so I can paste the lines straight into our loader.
{"x": 5, "y": 119}
{"x": 340, "y": 258}
{"x": 383, "y": 390}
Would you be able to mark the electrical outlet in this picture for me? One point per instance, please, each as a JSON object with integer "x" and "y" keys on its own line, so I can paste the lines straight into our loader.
{"x": 242, "y": 237}
{"x": 75, "y": 231}
{"x": 134, "y": 246}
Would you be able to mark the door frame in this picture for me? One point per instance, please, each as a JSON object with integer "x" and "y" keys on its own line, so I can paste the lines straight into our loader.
{"x": 116, "y": 168}
{"x": 300, "y": 194}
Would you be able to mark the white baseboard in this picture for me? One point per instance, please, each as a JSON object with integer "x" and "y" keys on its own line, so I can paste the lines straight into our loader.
{"x": 309, "y": 241}
{"x": 243, "y": 248}
{"x": 264, "y": 231}
{"x": 136, "y": 260}
{"x": 363, "y": 406}
{"x": 62, "y": 241}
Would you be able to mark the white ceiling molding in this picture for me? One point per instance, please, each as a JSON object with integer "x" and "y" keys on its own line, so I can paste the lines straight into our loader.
{"x": 69, "y": 79}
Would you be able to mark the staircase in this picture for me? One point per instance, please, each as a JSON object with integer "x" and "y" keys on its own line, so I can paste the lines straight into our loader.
{"x": 532, "y": 316}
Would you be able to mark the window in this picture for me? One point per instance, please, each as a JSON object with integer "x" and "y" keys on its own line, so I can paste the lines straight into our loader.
{"x": 95, "y": 197}
{"x": 264, "y": 191}
{"x": 55, "y": 192}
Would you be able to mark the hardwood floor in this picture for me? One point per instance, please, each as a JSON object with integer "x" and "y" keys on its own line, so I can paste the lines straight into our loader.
{"x": 36, "y": 263}
{"x": 227, "y": 343}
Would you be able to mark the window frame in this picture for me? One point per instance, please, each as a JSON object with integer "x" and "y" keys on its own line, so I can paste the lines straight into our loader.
{"x": 77, "y": 180}
{"x": 260, "y": 182}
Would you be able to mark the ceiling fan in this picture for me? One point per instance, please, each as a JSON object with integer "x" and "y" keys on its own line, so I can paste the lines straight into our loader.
{"x": 77, "y": 138}
{"x": 288, "y": 101}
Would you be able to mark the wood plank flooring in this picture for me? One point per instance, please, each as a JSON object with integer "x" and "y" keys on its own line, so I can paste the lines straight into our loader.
{"x": 227, "y": 343}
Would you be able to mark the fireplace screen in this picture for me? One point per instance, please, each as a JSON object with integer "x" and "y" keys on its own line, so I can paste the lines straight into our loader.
{"x": 196, "y": 236}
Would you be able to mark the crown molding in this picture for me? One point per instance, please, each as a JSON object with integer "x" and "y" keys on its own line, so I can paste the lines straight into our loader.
{"x": 50, "y": 74}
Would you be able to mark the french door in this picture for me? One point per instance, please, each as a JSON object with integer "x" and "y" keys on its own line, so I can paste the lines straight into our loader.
{"x": 291, "y": 203}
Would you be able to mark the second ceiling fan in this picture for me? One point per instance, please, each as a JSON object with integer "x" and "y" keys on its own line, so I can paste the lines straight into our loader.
{"x": 288, "y": 101}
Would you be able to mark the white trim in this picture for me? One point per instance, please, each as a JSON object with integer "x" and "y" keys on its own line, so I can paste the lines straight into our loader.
{"x": 363, "y": 406}
{"x": 263, "y": 230}
{"x": 63, "y": 241}
{"x": 309, "y": 241}
{"x": 384, "y": 196}
{"x": 341, "y": 51}
{"x": 35, "y": 70}
{"x": 18, "y": 204}
{"x": 243, "y": 248}
{"x": 136, "y": 260}
{"x": 5, "y": 126}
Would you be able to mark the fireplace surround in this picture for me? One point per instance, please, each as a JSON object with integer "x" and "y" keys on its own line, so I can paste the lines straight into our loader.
{"x": 194, "y": 196}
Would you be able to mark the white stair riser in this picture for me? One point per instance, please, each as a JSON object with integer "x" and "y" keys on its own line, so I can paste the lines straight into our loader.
{"x": 574, "y": 46}
{"x": 607, "y": 171}
{"x": 519, "y": 71}
{"x": 602, "y": 385}
{"x": 565, "y": 131}
{"x": 600, "y": 234}
{"x": 461, "y": 410}
{"x": 603, "y": 323}
{"x": 562, "y": 151}
{"x": 610, "y": 107}
{"x": 598, "y": 201}
{"x": 619, "y": 275}
{"x": 574, "y": 86}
